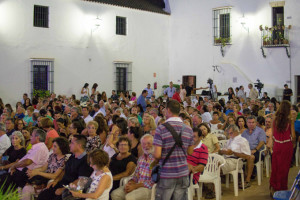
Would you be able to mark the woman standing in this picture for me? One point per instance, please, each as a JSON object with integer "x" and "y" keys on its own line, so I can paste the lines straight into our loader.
{"x": 85, "y": 93}
{"x": 283, "y": 134}
{"x": 94, "y": 88}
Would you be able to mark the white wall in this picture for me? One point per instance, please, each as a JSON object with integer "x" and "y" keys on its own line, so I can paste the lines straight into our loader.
{"x": 80, "y": 55}
{"x": 192, "y": 51}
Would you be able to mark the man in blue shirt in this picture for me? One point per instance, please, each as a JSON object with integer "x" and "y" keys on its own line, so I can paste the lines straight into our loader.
{"x": 170, "y": 90}
{"x": 150, "y": 91}
{"x": 255, "y": 136}
{"x": 142, "y": 100}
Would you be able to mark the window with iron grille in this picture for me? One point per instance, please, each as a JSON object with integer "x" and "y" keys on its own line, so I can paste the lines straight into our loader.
{"x": 41, "y": 16}
{"x": 121, "y": 25}
{"x": 123, "y": 77}
{"x": 222, "y": 25}
{"x": 42, "y": 74}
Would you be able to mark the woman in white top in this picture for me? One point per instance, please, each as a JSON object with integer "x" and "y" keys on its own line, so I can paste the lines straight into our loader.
{"x": 101, "y": 177}
{"x": 85, "y": 93}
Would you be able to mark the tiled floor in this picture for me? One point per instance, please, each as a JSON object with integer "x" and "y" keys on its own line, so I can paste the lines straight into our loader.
{"x": 255, "y": 192}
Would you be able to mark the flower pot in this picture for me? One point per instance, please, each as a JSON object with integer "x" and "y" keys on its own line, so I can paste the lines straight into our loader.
{"x": 275, "y": 42}
{"x": 265, "y": 43}
{"x": 285, "y": 41}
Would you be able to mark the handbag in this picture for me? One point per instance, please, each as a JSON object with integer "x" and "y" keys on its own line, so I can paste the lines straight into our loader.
{"x": 155, "y": 174}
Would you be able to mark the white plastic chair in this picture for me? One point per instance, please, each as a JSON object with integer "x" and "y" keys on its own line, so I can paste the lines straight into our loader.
{"x": 222, "y": 143}
{"x": 125, "y": 180}
{"x": 153, "y": 192}
{"x": 259, "y": 167}
{"x": 235, "y": 175}
{"x": 192, "y": 188}
{"x": 267, "y": 163}
{"x": 211, "y": 174}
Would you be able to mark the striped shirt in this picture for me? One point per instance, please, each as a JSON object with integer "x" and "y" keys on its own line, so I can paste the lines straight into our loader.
{"x": 199, "y": 157}
{"x": 176, "y": 165}
{"x": 142, "y": 172}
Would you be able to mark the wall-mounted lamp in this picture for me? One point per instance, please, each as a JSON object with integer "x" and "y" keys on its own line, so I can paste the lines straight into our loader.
{"x": 244, "y": 23}
{"x": 96, "y": 24}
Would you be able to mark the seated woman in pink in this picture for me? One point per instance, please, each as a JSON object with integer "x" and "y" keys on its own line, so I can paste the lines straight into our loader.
{"x": 47, "y": 125}
{"x": 198, "y": 160}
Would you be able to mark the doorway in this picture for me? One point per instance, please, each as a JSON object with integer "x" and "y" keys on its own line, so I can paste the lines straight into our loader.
{"x": 297, "y": 89}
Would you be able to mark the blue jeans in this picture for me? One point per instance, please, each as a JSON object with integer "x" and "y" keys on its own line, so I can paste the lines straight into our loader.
{"x": 172, "y": 189}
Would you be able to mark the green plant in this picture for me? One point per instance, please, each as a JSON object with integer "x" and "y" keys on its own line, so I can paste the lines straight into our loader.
{"x": 225, "y": 41}
{"x": 41, "y": 93}
{"x": 174, "y": 85}
{"x": 10, "y": 194}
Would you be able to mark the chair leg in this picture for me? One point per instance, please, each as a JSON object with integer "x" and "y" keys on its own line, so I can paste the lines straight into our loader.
{"x": 243, "y": 183}
{"x": 227, "y": 180}
{"x": 297, "y": 155}
{"x": 217, "y": 184}
{"x": 235, "y": 184}
{"x": 258, "y": 169}
{"x": 198, "y": 193}
{"x": 267, "y": 161}
{"x": 200, "y": 189}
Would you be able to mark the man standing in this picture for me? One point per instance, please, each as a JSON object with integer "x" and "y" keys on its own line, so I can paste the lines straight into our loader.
{"x": 139, "y": 187}
{"x": 241, "y": 94}
{"x": 287, "y": 93}
{"x": 169, "y": 91}
{"x": 4, "y": 139}
{"x": 174, "y": 176}
{"x": 150, "y": 92}
{"x": 142, "y": 100}
{"x": 253, "y": 94}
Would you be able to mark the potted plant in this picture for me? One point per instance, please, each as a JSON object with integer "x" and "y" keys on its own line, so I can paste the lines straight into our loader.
{"x": 217, "y": 40}
{"x": 265, "y": 40}
{"x": 261, "y": 28}
{"x": 41, "y": 93}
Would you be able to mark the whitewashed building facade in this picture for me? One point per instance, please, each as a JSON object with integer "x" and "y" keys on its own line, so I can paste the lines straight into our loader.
{"x": 98, "y": 41}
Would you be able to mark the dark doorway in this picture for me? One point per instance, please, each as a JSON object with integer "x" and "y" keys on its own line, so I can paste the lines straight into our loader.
{"x": 298, "y": 88}
{"x": 187, "y": 80}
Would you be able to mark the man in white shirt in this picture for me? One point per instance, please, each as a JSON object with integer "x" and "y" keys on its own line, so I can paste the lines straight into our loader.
{"x": 253, "y": 94}
{"x": 4, "y": 139}
{"x": 237, "y": 147}
{"x": 85, "y": 115}
{"x": 241, "y": 94}
{"x": 150, "y": 92}
{"x": 206, "y": 117}
{"x": 102, "y": 107}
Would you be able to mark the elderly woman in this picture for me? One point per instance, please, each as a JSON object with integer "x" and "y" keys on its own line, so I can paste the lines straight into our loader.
{"x": 93, "y": 141}
{"x": 122, "y": 164}
{"x": 210, "y": 140}
{"x": 14, "y": 153}
{"x": 51, "y": 170}
{"x": 149, "y": 124}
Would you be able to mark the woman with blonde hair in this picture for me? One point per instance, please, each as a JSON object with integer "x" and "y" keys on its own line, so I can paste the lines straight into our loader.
{"x": 149, "y": 124}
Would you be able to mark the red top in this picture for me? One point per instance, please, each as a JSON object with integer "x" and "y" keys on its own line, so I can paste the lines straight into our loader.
{"x": 282, "y": 136}
{"x": 176, "y": 97}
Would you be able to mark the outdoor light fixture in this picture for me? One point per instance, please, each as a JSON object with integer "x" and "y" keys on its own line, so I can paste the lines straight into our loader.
{"x": 96, "y": 24}
{"x": 244, "y": 23}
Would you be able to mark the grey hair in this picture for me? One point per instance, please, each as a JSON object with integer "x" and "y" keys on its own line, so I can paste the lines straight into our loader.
{"x": 2, "y": 127}
{"x": 41, "y": 134}
{"x": 233, "y": 127}
{"x": 19, "y": 135}
{"x": 147, "y": 136}
{"x": 251, "y": 117}
{"x": 154, "y": 110}
{"x": 75, "y": 109}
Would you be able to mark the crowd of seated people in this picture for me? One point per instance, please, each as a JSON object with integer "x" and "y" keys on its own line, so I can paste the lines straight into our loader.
{"x": 48, "y": 143}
